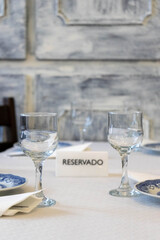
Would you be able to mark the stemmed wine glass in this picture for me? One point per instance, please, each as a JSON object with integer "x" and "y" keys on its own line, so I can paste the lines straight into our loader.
{"x": 38, "y": 140}
{"x": 125, "y": 133}
{"x": 81, "y": 116}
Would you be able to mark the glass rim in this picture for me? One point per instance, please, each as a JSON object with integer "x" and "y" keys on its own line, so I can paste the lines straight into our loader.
{"x": 125, "y": 112}
{"x": 38, "y": 114}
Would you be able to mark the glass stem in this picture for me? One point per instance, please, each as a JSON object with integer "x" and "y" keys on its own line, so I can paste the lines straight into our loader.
{"x": 81, "y": 132}
{"x": 38, "y": 178}
{"x": 124, "y": 180}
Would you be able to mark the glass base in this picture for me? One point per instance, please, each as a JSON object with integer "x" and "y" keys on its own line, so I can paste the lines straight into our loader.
{"x": 122, "y": 192}
{"x": 47, "y": 202}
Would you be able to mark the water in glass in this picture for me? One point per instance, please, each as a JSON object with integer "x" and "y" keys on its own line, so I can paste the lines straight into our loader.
{"x": 125, "y": 133}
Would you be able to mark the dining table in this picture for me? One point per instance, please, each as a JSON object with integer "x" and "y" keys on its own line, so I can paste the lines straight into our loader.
{"x": 84, "y": 208}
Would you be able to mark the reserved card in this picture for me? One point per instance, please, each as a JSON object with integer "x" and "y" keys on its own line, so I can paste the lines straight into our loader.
{"x": 81, "y": 164}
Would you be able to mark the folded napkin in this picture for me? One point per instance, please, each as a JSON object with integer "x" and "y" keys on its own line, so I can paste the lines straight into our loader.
{"x": 140, "y": 177}
{"x": 78, "y": 147}
{"x": 24, "y": 202}
{"x": 16, "y": 153}
{"x": 148, "y": 141}
{"x": 75, "y": 148}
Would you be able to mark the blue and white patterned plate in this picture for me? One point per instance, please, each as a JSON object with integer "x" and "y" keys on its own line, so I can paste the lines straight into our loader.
{"x": 10, "y": 181}
{"x": 152, "y": 148}
{"x": 149, "y": 187}
{"x": 64, "y": 144}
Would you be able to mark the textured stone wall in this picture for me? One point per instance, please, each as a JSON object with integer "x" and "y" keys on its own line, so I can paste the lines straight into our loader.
{"x": 55, "y": 51}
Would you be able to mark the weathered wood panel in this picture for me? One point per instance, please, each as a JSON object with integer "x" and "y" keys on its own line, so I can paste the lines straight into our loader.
{"x": 12, "y": 29}
{"x": 58, "y": 40}
{"x": 54, "y": 93}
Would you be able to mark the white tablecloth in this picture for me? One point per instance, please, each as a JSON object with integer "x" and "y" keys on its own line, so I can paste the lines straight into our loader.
{"x": 84, "y": 209}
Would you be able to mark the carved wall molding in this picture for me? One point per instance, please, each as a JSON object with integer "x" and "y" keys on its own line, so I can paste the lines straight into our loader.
{"x": 103, "y": 12}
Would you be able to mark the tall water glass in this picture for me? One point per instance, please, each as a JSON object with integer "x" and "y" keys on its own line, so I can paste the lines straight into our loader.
{"x": 38, "y": 139}
{"x": 82, "y": 116}
{"x": 125, "y": 133}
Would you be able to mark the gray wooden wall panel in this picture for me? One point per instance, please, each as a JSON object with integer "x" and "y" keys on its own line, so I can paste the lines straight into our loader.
{"x": 13, "y": 30}
{"x": 122, "y": 32}
{"x": 58, "y": 40}
{"x": 14, "y": 86}
{"x": 55, "y": 93}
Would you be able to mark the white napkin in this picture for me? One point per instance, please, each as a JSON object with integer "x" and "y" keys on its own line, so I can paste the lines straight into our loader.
{"x": 148, "y": 141}
{"x": 24, "y": 202}
{"x": 140, "y": 177}
{"x": 75, "y": 148}
{"x": 16, "y": 153}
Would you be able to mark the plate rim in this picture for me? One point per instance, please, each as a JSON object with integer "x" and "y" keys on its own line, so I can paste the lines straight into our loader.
{"x": 145, "y": 147}
{"x": 65, "y": 143}
{"x": 147, "y": 194}
{"x": 12, "y": 188}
